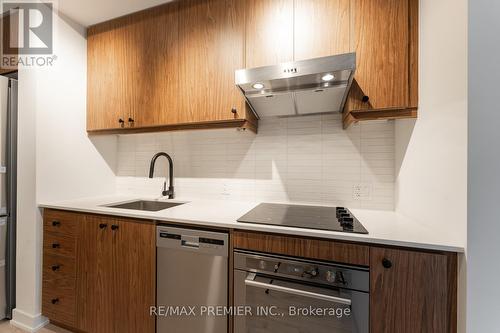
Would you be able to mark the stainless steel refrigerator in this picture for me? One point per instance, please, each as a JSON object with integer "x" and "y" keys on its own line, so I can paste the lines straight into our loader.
{"x": 8, "y": 181}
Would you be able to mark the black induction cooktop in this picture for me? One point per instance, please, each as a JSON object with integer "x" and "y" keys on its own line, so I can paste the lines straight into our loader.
{"x": 308, "y": 217}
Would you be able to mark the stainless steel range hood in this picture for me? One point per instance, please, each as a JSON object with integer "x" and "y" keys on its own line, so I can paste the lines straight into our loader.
{"x": 303, "y": 87}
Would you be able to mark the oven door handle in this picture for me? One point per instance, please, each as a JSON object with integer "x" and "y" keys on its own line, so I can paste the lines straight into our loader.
{"x": 249, "y": 281}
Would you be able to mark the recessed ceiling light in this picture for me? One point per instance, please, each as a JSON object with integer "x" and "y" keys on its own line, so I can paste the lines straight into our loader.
{"x": 258, "y": 86}
{"x": 328, "y": 77}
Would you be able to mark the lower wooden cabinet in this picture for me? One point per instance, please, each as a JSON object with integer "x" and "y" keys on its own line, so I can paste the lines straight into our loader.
{"x": 99, "y": 275}
{"x": 108, "y": 284}
{"x": 412, "y": 291}
{"x": 60, "y": 239}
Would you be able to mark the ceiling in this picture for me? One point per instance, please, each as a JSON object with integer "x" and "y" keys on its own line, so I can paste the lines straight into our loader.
{"x": 89, "y": 12}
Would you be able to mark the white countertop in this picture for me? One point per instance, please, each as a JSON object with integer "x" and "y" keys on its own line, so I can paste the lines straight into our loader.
{"x": 384, "y": 227}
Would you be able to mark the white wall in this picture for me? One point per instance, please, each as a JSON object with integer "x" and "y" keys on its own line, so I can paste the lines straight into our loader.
{"x": 483, "y": 235}
{"x": 303, "y": 160}
{"x": 56, "y": 158}
{"x": 431, "y": 153}
{"x": 431, "y": 183}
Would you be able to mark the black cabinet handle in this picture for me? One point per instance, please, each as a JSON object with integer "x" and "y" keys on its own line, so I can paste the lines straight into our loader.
{"x": 121, "y": 121}
{"x": 114, "y": 227}
{"x": 234, "y": 110}
{"x": 55, "y": 300}
{"x": 103, "y": 225}
{"x": 365, "y": 99}
{"x": 130, "y": 120}
{"x": 386, "y": 263}
{"x": 56, "y": 223}
{"x": 56, "y": 245}
{"x": 55, "y": 267}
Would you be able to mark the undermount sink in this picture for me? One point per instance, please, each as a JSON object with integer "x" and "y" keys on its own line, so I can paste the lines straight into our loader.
{"x": 147, "y": 205}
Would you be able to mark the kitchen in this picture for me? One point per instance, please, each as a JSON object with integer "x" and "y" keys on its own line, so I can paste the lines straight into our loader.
{"x": 125, "y": 88}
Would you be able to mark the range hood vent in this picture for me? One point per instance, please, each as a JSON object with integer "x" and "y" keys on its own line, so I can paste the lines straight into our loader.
{"x": 296, "y": 88}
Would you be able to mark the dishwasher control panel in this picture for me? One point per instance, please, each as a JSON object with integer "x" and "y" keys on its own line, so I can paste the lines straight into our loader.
{"x": 209, "y": 242}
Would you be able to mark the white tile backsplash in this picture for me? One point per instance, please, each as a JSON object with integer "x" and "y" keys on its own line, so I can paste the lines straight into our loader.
{"x": 305, "y": 159}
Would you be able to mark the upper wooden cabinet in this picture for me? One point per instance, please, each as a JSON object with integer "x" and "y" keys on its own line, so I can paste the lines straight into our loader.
{"x": 173, "y": 66}
{"x": 385, "y": 40}
{"x": 211, "y": 47}
{"x": 322, "y": 28}
{"x": 133, "y": 71}
{"x": 109, "y": 83}
{"x": 269, "y": 32}
{"x": 168, "y": 67}
{"x": 154, "y": 67}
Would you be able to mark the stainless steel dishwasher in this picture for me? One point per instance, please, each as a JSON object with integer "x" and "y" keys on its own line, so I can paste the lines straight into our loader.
{"x": 192, "y": 280}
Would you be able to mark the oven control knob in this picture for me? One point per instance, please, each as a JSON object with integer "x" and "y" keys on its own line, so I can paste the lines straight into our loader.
{"x": 311, "y": 273}
{"x": 330, "y": 276}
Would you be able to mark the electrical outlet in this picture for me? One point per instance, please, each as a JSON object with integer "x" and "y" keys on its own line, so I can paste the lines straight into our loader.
{"x": 361, "y": 192}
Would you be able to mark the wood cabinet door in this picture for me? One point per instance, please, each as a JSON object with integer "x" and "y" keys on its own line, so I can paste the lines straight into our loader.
{"x": 95, "y": 309}
{"x": 412, "y": 291}
{"x": 269, "y": 32}
{"x": 322, "y": 28}
{"x": 154, "y": 66}
{"x": 381, "y": 41}
{"x": 109, "y": 99}
{"x": 134, "y": 267}
{"x": 133, "y": 70}
{"x": 211, "y": 48}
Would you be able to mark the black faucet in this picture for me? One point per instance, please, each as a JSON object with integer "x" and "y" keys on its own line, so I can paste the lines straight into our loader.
{"x": 170, "y": 192}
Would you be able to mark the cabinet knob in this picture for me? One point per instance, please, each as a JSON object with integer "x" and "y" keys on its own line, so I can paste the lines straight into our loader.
{"x": 130, "y": 120}
{"x": 386, "y": 263}
{"x": 234, "y": 110}
{"x": 102, "y": 225}
{"x": 56, "y": 223}
{"x": 56, "y": 245}
{"x": 121, "y": 121}
{"x": 114, "y": 227}
{"x": 365, "y": 99}
{"x": 55, "y": 267}
{"x": 55, "y": 300}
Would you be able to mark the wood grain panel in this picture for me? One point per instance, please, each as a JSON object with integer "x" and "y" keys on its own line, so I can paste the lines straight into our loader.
{"x": 413, "y": 52}
{"x": 134, "y": 276}
{"x": 381, "y": 38}
{"x": 58, "y": 267}
{"x": 95, "y": 296}
{"x": 237, "y": 123}
{"x": 59, "y": 244}
{"x": 416, "y": 294}
{"x": 322, "y": 28}
{"x": 153, "y": 64}
{"x": 269, "y": 32}
{"x": 211, "y": 48}
{"x": 302, "y": 247}
{"x": 61, "y": 222}
{"x": 108, "y": 79}
{"x": 58, "y": 302}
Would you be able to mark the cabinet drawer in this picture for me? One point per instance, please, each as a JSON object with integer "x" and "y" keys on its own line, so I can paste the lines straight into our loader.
{"x": 312, "y": 248}
{"x": 58, "y": 302}
{"x": 60, "y": 222}
{"x": 58, "y": 244}
{"x": 58, "y": 267}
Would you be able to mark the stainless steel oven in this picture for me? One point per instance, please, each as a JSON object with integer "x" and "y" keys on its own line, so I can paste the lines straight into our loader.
{"x": 278, "y": 294}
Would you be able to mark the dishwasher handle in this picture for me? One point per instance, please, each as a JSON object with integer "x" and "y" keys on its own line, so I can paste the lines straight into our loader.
{"x": 194, "y": 240}
{"x": 250, "y": 281}
{"x": 192, "y": 245}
